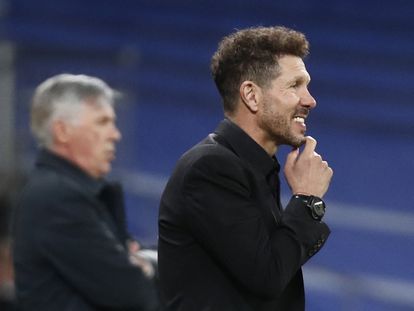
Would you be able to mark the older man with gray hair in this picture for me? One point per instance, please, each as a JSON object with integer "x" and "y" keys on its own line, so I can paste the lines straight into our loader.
{"x": 72, "y": 249}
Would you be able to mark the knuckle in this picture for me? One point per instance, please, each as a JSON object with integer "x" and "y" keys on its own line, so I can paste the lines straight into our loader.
{"x": 317, "y": 156}
{"x": 311, "y": 139}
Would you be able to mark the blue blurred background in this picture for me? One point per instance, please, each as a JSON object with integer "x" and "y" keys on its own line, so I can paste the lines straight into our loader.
{"x": 157, "y": 53}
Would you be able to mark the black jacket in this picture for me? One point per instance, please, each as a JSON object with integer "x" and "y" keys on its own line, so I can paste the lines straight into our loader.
{"x": 69, "y": 250}
{"x": 225, "y": 243}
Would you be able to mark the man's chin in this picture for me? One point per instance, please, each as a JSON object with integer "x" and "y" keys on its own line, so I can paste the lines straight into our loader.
{"x": 297, "y": 142}
{"x": 104, "y": 170}
{"x": 289, "y": 139}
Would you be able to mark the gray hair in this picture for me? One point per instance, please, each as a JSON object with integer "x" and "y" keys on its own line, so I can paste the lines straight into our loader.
{"x": 61, "y": 97}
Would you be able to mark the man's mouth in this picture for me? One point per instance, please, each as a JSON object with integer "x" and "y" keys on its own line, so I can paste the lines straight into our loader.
{"x": 110, "y": 154}
{"x": 300, "y": 116}
{"x": 299, "y": 119}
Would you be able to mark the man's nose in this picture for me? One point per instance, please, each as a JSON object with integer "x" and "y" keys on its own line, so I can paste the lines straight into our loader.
{"x": 116, "y": 133}
{"x": 308, "y": 100}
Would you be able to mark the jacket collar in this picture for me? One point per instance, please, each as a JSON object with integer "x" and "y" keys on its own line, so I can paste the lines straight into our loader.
{"x": 48, "y": 159}
{"x": 246, "y": 148}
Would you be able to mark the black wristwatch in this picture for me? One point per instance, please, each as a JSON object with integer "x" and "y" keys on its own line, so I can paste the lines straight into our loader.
{"x": 314, "y": 204}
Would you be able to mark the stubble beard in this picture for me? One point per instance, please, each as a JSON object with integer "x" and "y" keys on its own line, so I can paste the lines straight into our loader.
{"x": 278, "y": 128}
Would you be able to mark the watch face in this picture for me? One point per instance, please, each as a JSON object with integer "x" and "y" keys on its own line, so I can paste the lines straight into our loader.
{"x": 315, "y": 205}
{"x": 319, "y": 208}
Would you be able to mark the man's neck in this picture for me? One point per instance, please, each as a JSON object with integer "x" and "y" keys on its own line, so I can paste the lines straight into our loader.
{"x": 248, "y": 124}
{"x": 68, "y": 155}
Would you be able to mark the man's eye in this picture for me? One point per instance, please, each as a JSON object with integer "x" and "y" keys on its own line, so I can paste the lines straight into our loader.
{"x": 102, "y": 121}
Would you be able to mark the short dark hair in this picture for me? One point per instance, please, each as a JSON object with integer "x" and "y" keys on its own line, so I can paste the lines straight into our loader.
{"x": 252, "y": 54}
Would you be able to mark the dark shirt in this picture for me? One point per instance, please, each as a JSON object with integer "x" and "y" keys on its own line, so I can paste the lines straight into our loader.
{"x": 225, "y": 243}
{"x": 70, "y": 244}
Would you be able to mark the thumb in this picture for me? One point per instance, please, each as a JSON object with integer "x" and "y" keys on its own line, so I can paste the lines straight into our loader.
{"x": 310, "y": 145}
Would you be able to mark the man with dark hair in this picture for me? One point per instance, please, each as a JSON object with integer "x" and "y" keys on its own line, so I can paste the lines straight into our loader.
{"x": 72, "y": 248}
{"x": 225, "y": 242}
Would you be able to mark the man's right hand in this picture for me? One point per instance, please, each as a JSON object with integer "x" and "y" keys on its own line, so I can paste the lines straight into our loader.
{"x": 306, "y": 172}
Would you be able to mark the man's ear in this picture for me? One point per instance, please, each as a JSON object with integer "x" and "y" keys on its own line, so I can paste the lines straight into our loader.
{"x": 60, "y": 131}
{"x": 250, "y": 94}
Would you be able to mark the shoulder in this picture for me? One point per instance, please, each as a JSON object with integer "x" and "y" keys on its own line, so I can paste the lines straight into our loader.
{"x": 210, "y": 155}
{"x": 47, "y": 188}
{"x": 209, "y": 162}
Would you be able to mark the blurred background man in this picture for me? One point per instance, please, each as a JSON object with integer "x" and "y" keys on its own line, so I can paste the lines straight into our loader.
{"x": 72, "y": 249}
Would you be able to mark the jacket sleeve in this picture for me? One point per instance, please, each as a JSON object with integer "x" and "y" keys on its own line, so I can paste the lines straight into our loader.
{"x": 223, "y": 215}
{"x": 88, "y": 256}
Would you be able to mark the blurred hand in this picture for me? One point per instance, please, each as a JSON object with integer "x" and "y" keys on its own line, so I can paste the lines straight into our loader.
{"x": 306, "y": 173}
{"x": 137, "y": 260}
{"x": 133, "y": 246}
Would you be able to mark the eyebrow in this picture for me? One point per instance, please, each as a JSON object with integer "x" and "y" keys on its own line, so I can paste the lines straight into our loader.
{"x": 106, "y": 118}
{"x": 300, "y": 79}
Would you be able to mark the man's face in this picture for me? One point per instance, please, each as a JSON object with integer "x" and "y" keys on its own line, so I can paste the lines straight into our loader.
{"x": 286, "y": 103}
{"x": 93, "y": 138}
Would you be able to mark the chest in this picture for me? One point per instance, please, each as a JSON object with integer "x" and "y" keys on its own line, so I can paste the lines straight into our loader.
{"x": 265, "y": 195}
